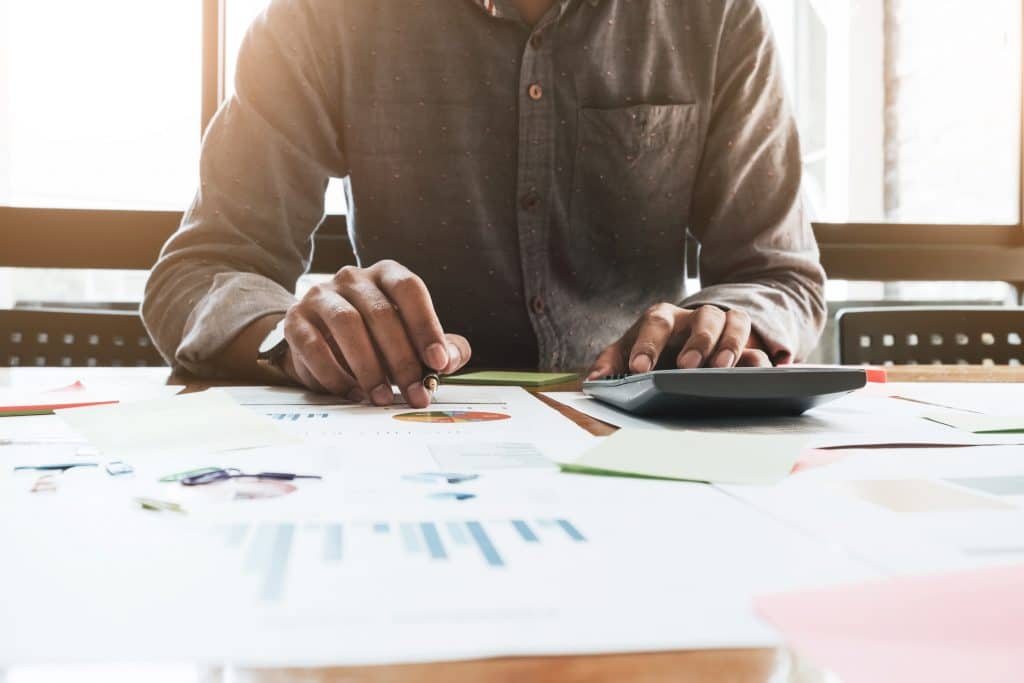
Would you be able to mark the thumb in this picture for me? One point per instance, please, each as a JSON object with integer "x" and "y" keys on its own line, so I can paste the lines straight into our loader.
{"x": 459, "y": 353}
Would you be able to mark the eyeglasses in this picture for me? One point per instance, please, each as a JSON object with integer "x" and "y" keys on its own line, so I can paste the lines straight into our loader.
{"x": 213, "y": 476}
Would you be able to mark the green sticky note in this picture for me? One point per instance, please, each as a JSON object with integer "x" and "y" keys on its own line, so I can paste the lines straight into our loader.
{"x": 977, "y": 423}
{"x": 517, "y": 379}
{"x": 719, "y": 458}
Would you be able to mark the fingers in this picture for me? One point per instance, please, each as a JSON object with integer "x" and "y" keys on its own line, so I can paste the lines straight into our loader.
{"x": 298, "y": 371}
{"x": 388, "y": 333}
{"x": 415, "y": 309}
{"x": 653, "y": 332}
{"x": 459, "y": 353}
{"x": 348, "y": 332}
{"x": 611, "y": 361}
{"x": 705, "y": 326}
{"x": 734, "y": 338}
{"x": 312, "y": 358}
{"x": 754, "y": 358}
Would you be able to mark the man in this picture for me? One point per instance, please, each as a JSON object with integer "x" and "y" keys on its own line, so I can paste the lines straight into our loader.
{"x": 519, "y": 172}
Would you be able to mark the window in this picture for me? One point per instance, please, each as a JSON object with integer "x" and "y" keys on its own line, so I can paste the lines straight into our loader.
{"x": 909, "y": 110}
{"x": 99, "y": 103}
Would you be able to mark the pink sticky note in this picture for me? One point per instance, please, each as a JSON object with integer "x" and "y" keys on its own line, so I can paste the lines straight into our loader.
{"x": 956, "y": 627}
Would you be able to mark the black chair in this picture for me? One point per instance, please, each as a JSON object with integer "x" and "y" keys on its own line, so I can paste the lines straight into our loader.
{"x": 931, "y": 335}
{"x": 75, "y": 338}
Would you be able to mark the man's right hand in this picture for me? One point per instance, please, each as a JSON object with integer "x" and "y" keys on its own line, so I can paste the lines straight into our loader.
{"x": 366, "y": 329}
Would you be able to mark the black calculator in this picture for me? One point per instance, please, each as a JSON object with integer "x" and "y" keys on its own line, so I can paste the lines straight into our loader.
{"x": 726, "y": 392}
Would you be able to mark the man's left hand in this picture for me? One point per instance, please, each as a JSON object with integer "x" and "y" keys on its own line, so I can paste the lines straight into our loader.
{"x": 704, "y": 337}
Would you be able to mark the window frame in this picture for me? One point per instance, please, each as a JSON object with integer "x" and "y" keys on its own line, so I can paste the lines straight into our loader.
{"x": 849, "y": 251}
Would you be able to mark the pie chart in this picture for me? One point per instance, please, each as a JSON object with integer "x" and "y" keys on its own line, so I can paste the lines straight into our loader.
{"x": 451, "y": 416}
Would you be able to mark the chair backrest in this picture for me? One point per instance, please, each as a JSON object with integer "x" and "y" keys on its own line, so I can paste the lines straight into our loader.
{"x": 931, "y": 335}
{"x": 74, "y": 338}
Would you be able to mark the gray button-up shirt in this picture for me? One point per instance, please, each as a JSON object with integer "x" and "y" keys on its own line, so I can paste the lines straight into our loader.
{"x": 541, "y": 180}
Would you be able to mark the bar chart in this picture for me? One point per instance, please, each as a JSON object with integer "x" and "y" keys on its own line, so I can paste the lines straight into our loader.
{"x": 269, "y": 549}
{"x": 296, "y": 417}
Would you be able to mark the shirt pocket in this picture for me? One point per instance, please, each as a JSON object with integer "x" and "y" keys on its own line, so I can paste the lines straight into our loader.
{"x": 633, "y": 178}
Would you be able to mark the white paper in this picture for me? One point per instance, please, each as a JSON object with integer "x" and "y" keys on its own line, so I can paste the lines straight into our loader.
{"x": 990, "y": 398}
{"x": 205, "y": 422}
{"x": 661, "y": 565}
{"x": 859, "y": 419}
{"x": 508, "y": 415}
{"x": 818, "y": 502}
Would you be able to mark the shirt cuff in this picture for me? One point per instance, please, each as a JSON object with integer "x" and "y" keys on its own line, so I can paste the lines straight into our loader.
{"x": 233, "y": 302}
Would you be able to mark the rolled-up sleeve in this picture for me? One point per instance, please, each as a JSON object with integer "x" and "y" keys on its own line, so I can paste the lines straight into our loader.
{"x": 758, "y": 252}
{"x": 266, "y": 161}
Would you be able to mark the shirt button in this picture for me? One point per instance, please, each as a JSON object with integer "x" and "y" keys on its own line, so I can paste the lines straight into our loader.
{"x": 537, "y": 304}
{"x": 536, "y": 92}
{"x": 536, "y": 41}
{"x": 530, "y": 201}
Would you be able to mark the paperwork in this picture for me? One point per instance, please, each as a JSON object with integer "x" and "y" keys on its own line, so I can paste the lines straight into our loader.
{"x": 18, "y": 402}
{"x": 907, "y": 511}
{"x": 979, "y": 424}
{"x": 694, "y": 456}
{"x": 966, "y": 626}
{"x": 863, "y": 419}
{"x": 536, "y": 563}
{"x": 481, "y": 427}
{"x": 448, "y": 533}
{"x": 206, "y": 422}
{"x": 990, "y": 398}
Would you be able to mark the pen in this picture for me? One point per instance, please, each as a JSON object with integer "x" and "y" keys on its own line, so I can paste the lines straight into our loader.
{"x": 431, "y": 381}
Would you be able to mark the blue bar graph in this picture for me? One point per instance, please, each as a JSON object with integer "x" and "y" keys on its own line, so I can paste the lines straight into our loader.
{"x": 295, "y": 417}
{"x": 573, "y": 532}
{"x": 434, "y": 545}
{"x": 490, "y": 553}
{"x": 265, "y": 553}
{"x": 332, "y": 543}
{"x": 525, "y": 531}
{"x": 236, "y": 534}
{"x": 410, "y": 538}
{"x": 458, "y": 533}
{"x": 280, "y": 551}
{"x": 258, "y": 552}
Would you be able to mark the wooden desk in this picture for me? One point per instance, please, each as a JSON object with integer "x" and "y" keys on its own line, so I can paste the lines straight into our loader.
{"x": 755, "y": 666}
